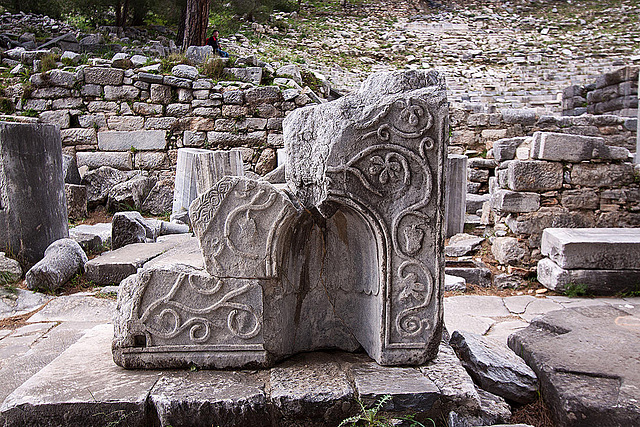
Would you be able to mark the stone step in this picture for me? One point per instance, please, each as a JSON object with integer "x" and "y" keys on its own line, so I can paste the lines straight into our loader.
{"x": 83, "y": 386}
{"x": 114, "y": 266}
{"x": 594, "y": 282}
{"x": 593, "y": 248}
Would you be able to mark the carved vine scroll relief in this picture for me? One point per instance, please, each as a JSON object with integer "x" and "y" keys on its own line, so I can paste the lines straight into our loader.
{"x": 394, "y": 177}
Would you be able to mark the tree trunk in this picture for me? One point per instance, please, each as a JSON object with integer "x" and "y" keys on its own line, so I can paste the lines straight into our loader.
{"x": 125, "y": 13}
{"x": 196, "y": 19}
{"x": 118, "y": 13}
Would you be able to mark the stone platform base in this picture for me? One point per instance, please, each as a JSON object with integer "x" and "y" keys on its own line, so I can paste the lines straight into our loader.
{"x": 83, "y": 387}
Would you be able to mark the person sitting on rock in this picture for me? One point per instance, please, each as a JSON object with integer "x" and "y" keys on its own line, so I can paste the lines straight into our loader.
{"x": 213, "y": 42}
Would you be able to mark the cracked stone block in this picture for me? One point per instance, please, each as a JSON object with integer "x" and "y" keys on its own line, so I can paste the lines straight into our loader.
{"x": 586, "y": 376}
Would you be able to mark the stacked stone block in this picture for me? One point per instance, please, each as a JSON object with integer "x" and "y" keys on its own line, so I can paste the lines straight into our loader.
{"x": 602, "y": 261}
{"x": 134, "y": 119}
{"x": 613, "y": 93}
{"x": 559, "y": 180}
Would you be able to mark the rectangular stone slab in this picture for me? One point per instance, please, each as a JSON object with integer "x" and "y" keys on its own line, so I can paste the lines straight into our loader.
{"x": 409, "y": 388}
{"x": 82, "y": 387}
{"x": 317, "y": 387}
{"x": 593, "y": 248}
{"x": 114, "y": 266}
{"x": 210, "y": 398}
{"x": 127, "y": 140}
{"x": 596, "y": 282}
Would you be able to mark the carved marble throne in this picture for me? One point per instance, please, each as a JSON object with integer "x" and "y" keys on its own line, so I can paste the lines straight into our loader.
{"x": 348, "y": 254}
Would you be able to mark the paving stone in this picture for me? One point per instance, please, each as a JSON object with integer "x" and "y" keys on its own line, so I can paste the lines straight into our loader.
{"x": 20, "y": 301}
{"x": 586, "y": 248}
{"x": 518, "y": 304}
{"x": 76, "y": 308}
{"x": 208, "y": 398}
{"x": 495, "y": 367}
{"x": 26, "y": 359}
{"x": 314, "y": 389}
{"x": 490, "y": 306}
{"x": 83, "y": 387}
{"x": 113, "y": 266}
{"x": 501, "y": 330}
{"x": 587, "y": 377}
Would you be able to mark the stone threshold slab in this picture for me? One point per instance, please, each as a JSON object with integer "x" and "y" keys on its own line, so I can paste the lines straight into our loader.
{"x": 83, "y": 386}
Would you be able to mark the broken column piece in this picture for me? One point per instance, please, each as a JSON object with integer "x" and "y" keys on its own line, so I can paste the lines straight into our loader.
{"x": 33, "y": 211}
{"x": 456, "y": 194}
{"x": 197, "y": 170}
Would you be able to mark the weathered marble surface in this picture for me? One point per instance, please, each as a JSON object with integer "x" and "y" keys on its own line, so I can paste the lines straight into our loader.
{"x": 350, "y": 255}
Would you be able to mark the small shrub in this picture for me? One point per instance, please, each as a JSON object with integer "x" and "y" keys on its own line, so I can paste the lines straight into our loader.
{"x": 173, "y": 59}
{"x": 213, "y": 68}
{"x": 48, "y": 62}
{"x": 310, "y": 79}
{"x": 576, "y": 290}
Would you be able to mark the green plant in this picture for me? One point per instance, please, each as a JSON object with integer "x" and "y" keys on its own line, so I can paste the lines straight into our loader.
{"x": 576, "y": 290}
{"x": 48, "y": 62}
{"x": 30, "y": 113}
{"x": 6, "y": 106}
{"x": 166, "y": 64}
{"x": 10, "y": 289}
{"x": 373, "y": 417}
{"x": 213, "y": 68}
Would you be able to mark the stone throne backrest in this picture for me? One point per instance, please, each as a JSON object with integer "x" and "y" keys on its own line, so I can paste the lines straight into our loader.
{"x": 350, "y": 255}
{"x": 372, "y": 165}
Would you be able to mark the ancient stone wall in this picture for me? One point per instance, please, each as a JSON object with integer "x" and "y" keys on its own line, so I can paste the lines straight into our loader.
{"x": 560, "y": 180}
{"x": 476, "y": 128}
{"x": 613, "y": 93}
{"x": 136, "y": 120}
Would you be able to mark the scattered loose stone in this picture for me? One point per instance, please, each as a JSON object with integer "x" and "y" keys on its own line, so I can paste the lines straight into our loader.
{"x": 10, "y": 270}
{"x": 495, "y": 368}
{"x": 462, "y": 244}
{"x": 62, "y": 260}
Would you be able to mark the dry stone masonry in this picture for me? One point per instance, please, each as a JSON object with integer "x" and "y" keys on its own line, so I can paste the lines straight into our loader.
{"x": 348, "y": 255}
{"x": 613, "y": 93}
{"x": 560, "y": 180}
